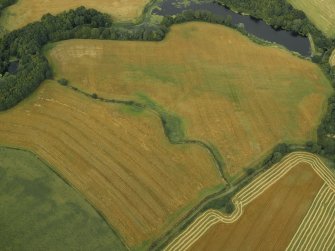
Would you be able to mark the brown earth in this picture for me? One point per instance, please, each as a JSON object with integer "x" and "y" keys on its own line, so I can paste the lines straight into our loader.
{"x": 271, "y": 220}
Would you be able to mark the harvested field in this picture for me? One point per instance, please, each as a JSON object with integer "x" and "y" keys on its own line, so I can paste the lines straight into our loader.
{"x": 266, "y": 223}
{"x": 320, "y": 12}
{"x": 317, "y": 231}
{"x": 119, "y": 159}
{"x": 203, "y": 225}
{"x": 27, "y": 11}
{"x": 204, "y": 74}
{"x": 39, "y": 211}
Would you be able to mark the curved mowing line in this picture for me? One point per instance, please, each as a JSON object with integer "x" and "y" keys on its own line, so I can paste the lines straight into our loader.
{"x": 212, "y": 151}
{"x": 194, "y": 231}
{"x": 316, "y": 230}
{"x": 319, "y": 197}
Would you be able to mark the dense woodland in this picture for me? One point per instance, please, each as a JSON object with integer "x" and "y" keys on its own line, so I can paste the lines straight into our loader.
{"x": 26, "y": 45}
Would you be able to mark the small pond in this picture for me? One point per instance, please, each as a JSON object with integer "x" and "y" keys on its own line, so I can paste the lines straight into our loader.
{"x": 13, "y": 67}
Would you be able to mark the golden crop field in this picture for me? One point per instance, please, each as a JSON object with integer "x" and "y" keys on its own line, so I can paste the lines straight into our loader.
{"x": 120, "y": 160}
{"x": 271, "y": 220}
{"x": 291, "y": 205}
{"x": 27, "y": 11}
{"x": 242, "y": 97}
{"x": 320, "y": 12}
{"x": 316, "y": 232}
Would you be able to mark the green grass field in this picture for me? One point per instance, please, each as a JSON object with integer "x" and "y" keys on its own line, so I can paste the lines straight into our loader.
{"x": 320, "y": 12}
{"x": 39, "y": 211}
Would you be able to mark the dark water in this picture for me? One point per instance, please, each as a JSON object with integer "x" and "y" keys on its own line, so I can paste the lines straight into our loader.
{"x": 13, "y": 67}
{"x": 258, "y": 28}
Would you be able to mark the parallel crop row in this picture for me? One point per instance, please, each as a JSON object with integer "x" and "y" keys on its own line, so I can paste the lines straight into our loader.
{"x": 317, "y": 231}
{"x": 248, "y": 194}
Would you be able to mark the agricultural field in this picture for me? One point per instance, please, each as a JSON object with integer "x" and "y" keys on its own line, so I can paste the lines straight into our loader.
{"x": 320, "y": 12}
{"x": 243, "y": 107}
{"x": 39, "y": 211}
{"x": 27, "y": 11}
{"x": 317, "y": 229}
{"x": 118, "y": 158}
{"x": 291, "y": 205}
{"x": 267, "y": 223}
{"x": 148, "y": 138}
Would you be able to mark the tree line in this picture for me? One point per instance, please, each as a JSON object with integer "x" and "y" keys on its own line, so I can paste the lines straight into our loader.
{"x": 5, "y": 3}
{"x": 282, "y": 15}
{"x": 26, "y": 44}
{"x": 196, "y": 15}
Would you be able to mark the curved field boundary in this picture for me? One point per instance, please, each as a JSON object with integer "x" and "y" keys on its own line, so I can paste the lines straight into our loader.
{"x": 317, "y": 230}
{"x": 216, "y": 156}
{"x": 248, "y": 194}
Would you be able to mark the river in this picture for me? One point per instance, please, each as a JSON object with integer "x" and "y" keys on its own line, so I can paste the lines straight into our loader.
{"x": 253, "y": 26}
